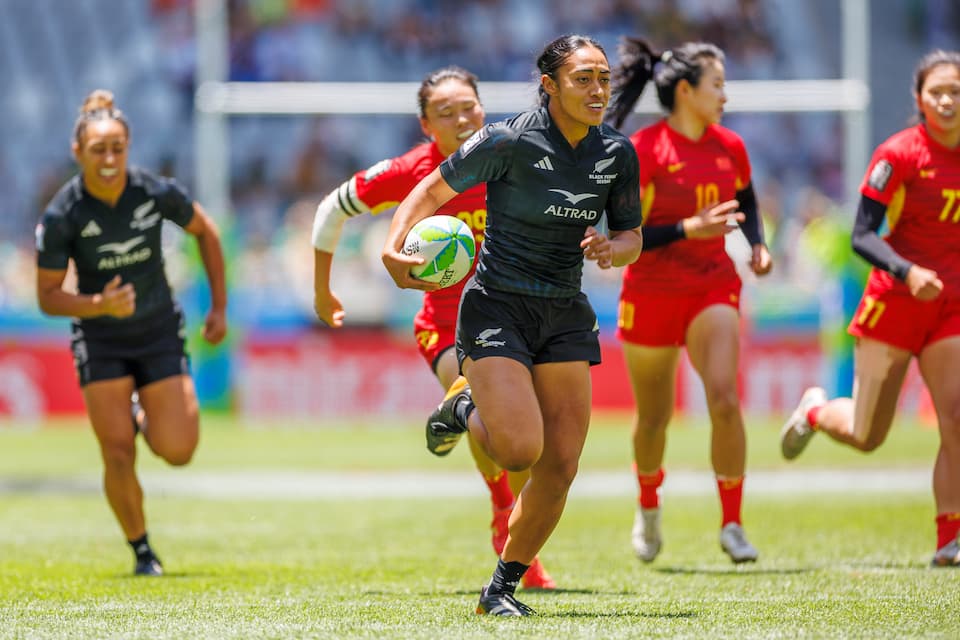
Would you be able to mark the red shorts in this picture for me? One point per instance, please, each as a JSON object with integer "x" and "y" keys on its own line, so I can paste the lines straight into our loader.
{"x": 888, "y": 313}
{"x": 433, "y": 338}
{"x": 662, "y": 319}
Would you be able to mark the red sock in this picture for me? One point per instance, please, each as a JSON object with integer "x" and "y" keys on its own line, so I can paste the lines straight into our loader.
{"x": 813, "y": 417}
{"x": 649, "y": 487}
{"x": 731, "y": 496}
{"x": 948, "y": 526}
{"x": 500, "y": 493}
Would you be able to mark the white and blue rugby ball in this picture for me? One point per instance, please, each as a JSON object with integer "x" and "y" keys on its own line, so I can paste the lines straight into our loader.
{"x": 447, "y": 246}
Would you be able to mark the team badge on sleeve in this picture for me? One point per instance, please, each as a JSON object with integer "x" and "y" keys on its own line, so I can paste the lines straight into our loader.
{"x": 880, "y": 175}
{"x": 473, "y": 141}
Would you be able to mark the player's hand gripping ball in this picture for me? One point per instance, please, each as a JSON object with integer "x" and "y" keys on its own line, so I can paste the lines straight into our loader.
{"x": 447, "y": 246}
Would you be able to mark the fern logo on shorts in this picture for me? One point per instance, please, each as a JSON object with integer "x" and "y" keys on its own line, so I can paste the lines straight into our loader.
{"x": 483, "y": 340}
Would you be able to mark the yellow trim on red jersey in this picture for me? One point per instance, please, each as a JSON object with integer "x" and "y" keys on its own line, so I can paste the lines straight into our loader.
{"x": 646, "y": 202}
{"x": 383, "y": 206}
{"x": 895, "y": 208}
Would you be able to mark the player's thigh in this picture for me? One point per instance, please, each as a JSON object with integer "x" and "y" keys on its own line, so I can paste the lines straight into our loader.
{"x": 880, "y": 371}
{"x": 109, "y": 408}
{"x": 172, "y": 411}
{"x": 447, "y": 370}
{"x": 713, "y": 346}
{"x": 502, "y": 390}
{"x": 564, "y": 393}
{"x": 940, "y": 368}
{"x": 653, "y": 375}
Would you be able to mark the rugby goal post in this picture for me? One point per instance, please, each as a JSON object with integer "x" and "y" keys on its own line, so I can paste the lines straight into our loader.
{"x": 216, "y": 100}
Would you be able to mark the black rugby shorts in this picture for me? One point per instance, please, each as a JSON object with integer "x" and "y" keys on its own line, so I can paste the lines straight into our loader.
{"x": 528, "y": 329}
{"x": 158, "y": 352}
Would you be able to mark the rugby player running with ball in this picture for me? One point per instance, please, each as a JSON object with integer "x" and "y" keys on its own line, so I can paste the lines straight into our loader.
{"x": 526, "y": 334}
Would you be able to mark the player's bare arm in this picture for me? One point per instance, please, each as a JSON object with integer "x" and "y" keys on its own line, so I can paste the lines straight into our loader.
{"x": 205, "y": 230}
{"x": 117, "y": 299}
{"x": 326, "y": 304}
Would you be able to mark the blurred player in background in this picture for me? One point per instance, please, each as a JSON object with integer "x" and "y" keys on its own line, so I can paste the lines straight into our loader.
{"x": 684, "y": 290}
{"x": 911, "y": 305}
{"x": 526, "y": 334}
{"x": 128, "y": 331}
{"x": 450, "y": 112}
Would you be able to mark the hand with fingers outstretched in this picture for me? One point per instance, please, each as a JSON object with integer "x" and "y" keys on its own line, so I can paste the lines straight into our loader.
{"x": 713, "y": 220}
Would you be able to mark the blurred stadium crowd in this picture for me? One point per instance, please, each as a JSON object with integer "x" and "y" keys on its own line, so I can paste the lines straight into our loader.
{"x": 54, "y": 52}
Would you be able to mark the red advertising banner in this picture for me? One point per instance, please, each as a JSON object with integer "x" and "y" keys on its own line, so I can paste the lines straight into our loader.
{"x": 37, "y": 379}
{"x": 324, "y": 374}
{"x": 378, "y": 373}
{"x": 327, "y": 375}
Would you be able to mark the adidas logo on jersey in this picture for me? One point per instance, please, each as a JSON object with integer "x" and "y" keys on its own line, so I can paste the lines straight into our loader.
{"x": 92, "y": 229}
{"x": 544, "y": 163}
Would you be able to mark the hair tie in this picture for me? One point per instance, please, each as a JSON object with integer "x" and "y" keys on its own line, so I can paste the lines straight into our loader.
{"x": 666, "y": 56}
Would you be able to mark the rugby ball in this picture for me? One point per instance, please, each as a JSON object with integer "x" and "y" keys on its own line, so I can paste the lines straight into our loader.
{"x": 447, "y": 246}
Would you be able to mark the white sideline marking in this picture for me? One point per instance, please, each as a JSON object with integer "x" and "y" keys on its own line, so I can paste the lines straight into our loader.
{"x": 304, "y": 485}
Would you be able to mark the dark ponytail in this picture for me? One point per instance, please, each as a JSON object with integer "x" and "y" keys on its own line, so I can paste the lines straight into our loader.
{"x": 636, "y": 68}
{"x": 630, "y": 77}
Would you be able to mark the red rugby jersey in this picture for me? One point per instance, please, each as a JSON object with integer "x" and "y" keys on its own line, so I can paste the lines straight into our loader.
{"x": 919, "y": 181}
{"x": 678, "y": 177}
{"x": 386, "y": 183}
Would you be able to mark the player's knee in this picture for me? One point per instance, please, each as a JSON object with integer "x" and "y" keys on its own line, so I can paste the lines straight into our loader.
{"x": 175, "y": 451}
{"x": 650, "y": 425}
{"x": 950, "y": 423}
{"x": 178, "y": 456}
{"x": 724, "y": 404}
{"x": 557, "y": 476}
{"x": 565, "y": 471}
{"x": 118, "y": 454}
{"x": 519, "y": 458}
{"x": 868, "y": 445}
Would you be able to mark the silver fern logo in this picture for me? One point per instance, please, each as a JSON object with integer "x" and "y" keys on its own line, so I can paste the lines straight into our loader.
{"x": 483, "y": 340}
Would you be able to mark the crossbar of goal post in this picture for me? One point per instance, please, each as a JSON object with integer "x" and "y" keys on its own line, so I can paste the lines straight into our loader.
{"x": 215, "y": 101}
{"x": 371, "y": 98}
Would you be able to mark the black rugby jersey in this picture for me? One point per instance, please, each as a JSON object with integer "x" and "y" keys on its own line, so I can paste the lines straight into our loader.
{"x": 106, "y": 241}
{"x": 541, "y": 195}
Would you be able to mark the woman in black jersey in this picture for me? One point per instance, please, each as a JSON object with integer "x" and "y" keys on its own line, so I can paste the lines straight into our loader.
{"x": 128, "y": 332}
{"x": 526, "y": 334}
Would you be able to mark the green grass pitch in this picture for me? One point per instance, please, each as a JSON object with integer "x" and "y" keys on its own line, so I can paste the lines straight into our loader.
{"x": 836, "y": 564}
